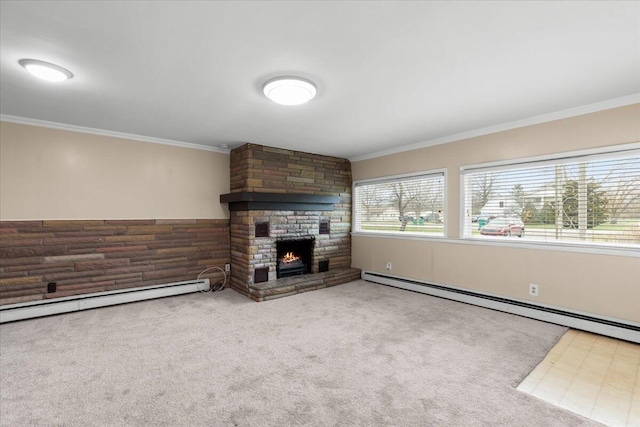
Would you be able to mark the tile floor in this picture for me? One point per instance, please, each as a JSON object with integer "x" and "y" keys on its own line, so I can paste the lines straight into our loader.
{"x": 592, "y": 375}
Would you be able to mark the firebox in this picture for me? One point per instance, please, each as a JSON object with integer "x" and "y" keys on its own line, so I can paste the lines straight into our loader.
{"x": 294, "y": 257}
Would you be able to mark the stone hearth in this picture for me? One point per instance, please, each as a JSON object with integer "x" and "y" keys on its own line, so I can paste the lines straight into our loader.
{"x": 278, "y": 195}
{"x": 297, "y": 284}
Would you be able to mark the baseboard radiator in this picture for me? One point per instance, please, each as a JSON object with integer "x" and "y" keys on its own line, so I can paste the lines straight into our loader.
{"x": 28, "y": 310}
{"x": 615, "y": 328}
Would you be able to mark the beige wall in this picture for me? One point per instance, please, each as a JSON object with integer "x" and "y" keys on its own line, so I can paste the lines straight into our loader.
{"x": 55, "y": 174}
{"x": 600, "y": 284}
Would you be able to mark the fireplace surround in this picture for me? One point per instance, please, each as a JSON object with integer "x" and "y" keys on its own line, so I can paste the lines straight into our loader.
{"x": 279, "y": 196}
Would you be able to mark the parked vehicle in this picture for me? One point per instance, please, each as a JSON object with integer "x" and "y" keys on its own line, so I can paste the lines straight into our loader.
{"x": 483, "y": 220}
{"x": 431, "y": 217}
{"x": 502, "y": 226}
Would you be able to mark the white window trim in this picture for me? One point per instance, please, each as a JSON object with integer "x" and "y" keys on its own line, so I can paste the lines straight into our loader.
{"x": 382, "y": 179}
{"x": 553, "y": 158}
{"x": 563, "y": 157}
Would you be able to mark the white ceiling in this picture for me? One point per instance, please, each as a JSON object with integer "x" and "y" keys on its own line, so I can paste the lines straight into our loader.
{"x": 389, "y": 74}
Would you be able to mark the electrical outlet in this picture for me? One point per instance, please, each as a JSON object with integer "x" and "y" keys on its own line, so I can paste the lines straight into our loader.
{"x": 388, "y": 266}
{"x": 227, "y": 268}
{"x": 534, "y": 291}
{"x": 51, "y": 287}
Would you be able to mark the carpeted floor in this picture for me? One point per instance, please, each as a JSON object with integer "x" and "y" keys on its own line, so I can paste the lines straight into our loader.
{"x": 358, "y": 354}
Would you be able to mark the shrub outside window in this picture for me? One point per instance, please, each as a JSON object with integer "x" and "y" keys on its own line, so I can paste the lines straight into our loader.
{"x": 586, "y": 199}
{"x": 404, "y": 205}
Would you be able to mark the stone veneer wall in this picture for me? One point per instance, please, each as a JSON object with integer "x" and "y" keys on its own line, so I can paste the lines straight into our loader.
{"x": 255, "y": 168}
{"x": 85, "y": 256}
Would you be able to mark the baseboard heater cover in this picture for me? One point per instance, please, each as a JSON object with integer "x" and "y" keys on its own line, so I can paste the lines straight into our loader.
{"x": 28, "y": 310}
{"x": 615, "y": 328}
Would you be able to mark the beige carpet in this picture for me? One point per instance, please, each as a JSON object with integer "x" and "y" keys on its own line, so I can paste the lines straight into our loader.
{"x": 358, "y": 354}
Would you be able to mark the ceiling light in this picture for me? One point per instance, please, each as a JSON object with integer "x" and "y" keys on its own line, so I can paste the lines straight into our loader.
{"x": 289, "y": 90}
{"x": 46, "y": 71}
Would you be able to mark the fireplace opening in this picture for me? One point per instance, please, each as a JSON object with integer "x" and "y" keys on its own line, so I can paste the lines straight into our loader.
{"x": 294, "y": 257}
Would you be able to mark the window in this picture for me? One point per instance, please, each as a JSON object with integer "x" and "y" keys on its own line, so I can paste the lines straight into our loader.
{"x": 404, "y": 205}
{"x": 593, "y": 199}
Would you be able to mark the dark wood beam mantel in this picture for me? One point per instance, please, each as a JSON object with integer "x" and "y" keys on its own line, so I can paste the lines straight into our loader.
{"x": 252, "y": 201}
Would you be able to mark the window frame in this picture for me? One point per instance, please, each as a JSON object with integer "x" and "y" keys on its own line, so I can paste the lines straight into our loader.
{"x": 594, "y": 154}
{"x": 395, "y": 178}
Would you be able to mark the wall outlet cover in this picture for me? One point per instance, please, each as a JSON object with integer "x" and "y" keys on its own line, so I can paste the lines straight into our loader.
{"x": 534, "y": 290}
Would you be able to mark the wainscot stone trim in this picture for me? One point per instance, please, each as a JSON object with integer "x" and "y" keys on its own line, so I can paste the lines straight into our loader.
{"x": 102, "y": 255}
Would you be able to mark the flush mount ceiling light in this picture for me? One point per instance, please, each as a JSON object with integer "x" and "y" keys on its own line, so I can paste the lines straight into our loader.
{"x": 289, "y": 90}
{"x": 45, "y": 70}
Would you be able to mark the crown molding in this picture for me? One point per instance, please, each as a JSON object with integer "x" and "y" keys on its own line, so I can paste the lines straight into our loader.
{"x": 112, "y": 134}
{"x": 558, "y": 115}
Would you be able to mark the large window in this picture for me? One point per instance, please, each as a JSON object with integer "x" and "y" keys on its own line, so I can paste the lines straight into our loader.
{"x": 593, "y": 199}
{"x": 409, "y": 205}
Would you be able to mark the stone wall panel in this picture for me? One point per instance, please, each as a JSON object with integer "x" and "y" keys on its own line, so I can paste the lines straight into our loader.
{"x": 99, "y": 255}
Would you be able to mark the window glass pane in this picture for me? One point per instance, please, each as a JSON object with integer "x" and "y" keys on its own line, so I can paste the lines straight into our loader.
{"x": 402, "y": 205}
{"x": 593, "y": 199}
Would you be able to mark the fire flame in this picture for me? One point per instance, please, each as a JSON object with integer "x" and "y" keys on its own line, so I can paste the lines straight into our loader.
{"x": 290, "y": 257}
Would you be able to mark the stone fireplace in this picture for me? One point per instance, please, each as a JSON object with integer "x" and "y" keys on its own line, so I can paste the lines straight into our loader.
{"x": 286, "y": 201}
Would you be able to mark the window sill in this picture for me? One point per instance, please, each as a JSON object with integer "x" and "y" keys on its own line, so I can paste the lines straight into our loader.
{"x": 519, "y": 243}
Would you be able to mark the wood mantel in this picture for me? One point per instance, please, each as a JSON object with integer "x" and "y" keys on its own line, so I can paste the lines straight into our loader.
{"x": 253, "y": 201}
